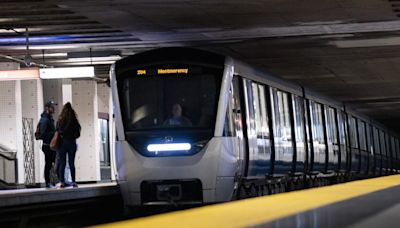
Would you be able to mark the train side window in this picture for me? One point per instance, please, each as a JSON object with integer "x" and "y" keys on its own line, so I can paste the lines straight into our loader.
{"x": 233, "y": 120}
{"x": 353, "y": 132}
{"x": 331, "y": 127}
{"x": 282, "y": 126}
{"x": 342, "y": 129}
{"x": 361, "y": 134}
{"x": 370, "y": 144}
{"x": 397, "y": 148}
{"x": 261, "y": 118}
{"x": 317, "y": 127}
{"x": 377, "y": 149}
{"x": 298, "y": 118}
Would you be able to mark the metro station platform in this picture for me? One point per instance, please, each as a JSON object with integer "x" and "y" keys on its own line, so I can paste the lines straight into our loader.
{"x": 20, "y": 197}
{"x": 365, "y": 203}
{"x": 40, "y": 207}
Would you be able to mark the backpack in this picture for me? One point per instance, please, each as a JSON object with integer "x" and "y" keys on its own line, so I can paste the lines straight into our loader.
{"x": 37, "y": 132}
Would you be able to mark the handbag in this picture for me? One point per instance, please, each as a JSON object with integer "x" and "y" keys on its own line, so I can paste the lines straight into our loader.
{"x": 55, "y": 141}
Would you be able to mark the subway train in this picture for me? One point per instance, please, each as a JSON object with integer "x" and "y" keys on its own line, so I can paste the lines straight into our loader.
{"x": 196, "y": 127}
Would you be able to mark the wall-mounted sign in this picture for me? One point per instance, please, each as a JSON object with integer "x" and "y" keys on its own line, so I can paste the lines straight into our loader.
{"x": 24, "y": 74}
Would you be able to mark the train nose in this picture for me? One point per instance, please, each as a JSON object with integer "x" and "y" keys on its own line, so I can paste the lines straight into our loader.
{"x": 169, "y": 192}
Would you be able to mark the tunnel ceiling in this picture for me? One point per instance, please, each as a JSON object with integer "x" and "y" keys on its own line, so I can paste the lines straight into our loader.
{"x": 346, "y": 49}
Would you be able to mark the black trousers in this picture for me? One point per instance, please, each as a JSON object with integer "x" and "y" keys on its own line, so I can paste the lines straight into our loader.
{"x": 50, "y": 157}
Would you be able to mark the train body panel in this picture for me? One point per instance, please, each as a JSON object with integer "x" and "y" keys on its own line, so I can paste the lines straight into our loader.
{"x": 216, "y": 167}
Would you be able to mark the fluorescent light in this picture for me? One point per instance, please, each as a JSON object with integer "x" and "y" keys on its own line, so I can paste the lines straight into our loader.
{"x": 25, "y": 74}
{"x": 67, "y": 72}
{"x": 168, "y": 147}
{"x": 378, "y": 42}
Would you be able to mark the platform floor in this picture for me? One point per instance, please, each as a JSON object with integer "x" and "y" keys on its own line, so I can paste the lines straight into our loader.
{"x": 365, "y": 203}
{"x": 20, "y": 197}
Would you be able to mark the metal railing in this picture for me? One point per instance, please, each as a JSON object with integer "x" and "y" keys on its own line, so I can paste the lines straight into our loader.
{"x": 29, "y": 151}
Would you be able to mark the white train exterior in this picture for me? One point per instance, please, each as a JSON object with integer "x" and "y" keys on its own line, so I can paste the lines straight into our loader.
{"x": 247, "y": 133}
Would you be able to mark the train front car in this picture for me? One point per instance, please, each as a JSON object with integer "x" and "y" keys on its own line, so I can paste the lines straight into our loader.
{"x": 170, "y": 107}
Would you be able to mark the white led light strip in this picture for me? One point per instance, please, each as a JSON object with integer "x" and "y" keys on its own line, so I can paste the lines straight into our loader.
{"x": 67, "y": 72}
{"x": 168, "y": 147}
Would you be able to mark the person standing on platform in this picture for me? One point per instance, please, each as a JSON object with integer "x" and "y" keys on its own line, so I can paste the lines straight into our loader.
{"x": 69, "y": 129}
{"x": 46, "y": 131}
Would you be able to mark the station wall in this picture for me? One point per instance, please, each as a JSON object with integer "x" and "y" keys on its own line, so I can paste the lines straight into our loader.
{"x": 25, "y": 100}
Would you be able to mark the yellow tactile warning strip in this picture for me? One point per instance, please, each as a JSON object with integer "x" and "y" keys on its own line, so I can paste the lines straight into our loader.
{"x": 262, "y": 209}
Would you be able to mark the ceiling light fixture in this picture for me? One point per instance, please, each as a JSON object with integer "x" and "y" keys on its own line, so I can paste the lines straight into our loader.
{"x": 67, "y": 72}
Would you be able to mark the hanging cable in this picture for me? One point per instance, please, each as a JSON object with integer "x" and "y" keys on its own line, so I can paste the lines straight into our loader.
{"x": 43, "y": 60}
{"x": 91, "y": 62}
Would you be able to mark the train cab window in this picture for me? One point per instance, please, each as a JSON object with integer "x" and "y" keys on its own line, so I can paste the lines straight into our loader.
{"x": 171, "y": 100}
{"x": 281, "y": 125}
{"x": 361, "y": 134}
{"x": 353, "y": 132}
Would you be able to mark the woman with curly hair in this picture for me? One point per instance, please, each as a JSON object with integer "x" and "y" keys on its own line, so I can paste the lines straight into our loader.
{"x": 69, "y": 129}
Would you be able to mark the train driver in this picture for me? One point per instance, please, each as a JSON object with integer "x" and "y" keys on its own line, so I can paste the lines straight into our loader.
{"x": 177, "y": 119}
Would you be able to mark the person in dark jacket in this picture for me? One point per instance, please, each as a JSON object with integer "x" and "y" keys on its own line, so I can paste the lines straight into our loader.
{"x": 69, "y": 129}
{"x": 47, "y": 130}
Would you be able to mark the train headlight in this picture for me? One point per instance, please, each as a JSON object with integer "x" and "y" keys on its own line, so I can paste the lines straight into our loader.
{"x": 169, "y": 147}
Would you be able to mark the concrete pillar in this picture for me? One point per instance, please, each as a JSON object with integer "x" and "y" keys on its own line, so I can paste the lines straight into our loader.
{"x": 85, "y": 103}
{"x": 39, "y": 156}
{"x": 19, "y": 136}
{"x": 31, "y": 108}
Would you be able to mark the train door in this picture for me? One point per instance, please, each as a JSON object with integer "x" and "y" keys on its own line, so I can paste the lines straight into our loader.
{"x": 257, "y": 129}
{"x": 354, "y": 145}
{"x": 370, "y": 149}
{"x": 397, "y": 164}
{"x": 234, "y": 127}
{"x": 377, "y": 152}
{"x": 317, "y": 137}
{"x": 383, "y": 151}
{"x": 282, "y": 128}
{"x": 332, "y": 139}
{"x": 363, "y": 147}
{"x": 392, "y": 156}
{"x": 299, "y": 134}
{"x": 105, "y": 162}
{"x": 344, "y": 150}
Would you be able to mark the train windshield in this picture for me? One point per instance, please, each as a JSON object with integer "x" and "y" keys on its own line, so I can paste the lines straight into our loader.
{"x": 170, "y": 98}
